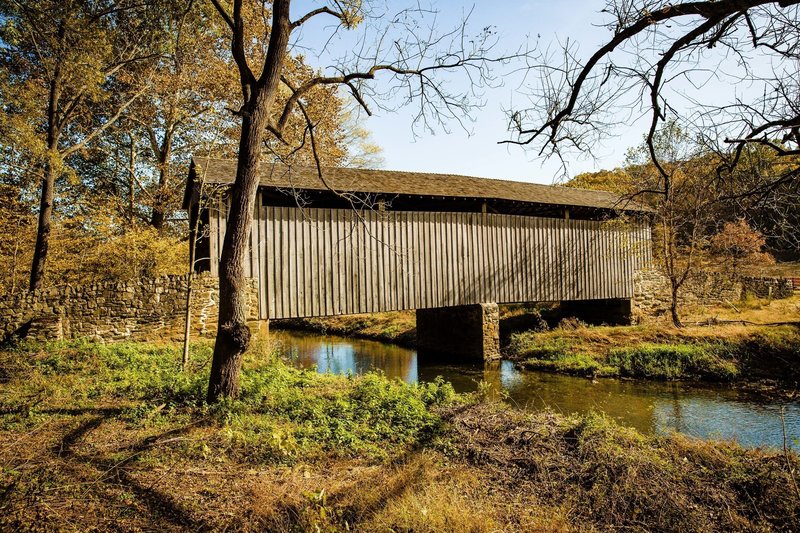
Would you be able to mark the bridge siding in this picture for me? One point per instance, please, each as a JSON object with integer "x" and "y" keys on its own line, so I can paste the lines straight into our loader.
{"x": 316, "y": 261}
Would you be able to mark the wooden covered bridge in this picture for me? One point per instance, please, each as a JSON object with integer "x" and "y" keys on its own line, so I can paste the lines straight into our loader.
{"x": 451, "y": 247}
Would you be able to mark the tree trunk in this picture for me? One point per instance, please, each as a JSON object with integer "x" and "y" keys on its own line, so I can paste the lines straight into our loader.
{"x": 43, "y": 229}
{"x": 159, "y": 204}
{"x": 673, "y": 307}
{"x": 233, "y": 334}
{"x": 49, "y": 179}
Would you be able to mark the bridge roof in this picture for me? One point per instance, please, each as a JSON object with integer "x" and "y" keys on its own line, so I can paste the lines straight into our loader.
{"x": 423, "y": 184}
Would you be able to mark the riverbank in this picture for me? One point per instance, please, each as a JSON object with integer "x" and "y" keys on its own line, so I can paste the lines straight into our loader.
{"x": 752, "y": 342}
{"x": 100, "y": 436}
{"x": 721, "y": 353}
{"x": 397, "y": 327}
{"x": 739, "y": 344}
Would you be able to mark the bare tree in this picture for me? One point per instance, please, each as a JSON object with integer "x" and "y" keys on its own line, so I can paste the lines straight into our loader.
{"x": 658, "y": 59}
{"x": 725, "y": 72}
{"x": 684, "y": 215}
{"x": 410, "y": 55}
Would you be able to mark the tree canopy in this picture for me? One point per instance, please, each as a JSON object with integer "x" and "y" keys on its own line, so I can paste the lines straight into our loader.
{"x": 104, "y": 104}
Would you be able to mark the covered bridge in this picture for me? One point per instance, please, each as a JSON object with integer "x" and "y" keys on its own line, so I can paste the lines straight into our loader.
{"x": 450, "y": 247}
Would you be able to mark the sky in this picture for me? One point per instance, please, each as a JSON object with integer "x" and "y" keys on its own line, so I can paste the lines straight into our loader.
{"x": 476, "y": 152}
{"x": 715, "y": 75}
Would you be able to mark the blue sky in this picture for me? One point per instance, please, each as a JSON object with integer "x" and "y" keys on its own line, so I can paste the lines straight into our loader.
{"x": 477, "y": 152}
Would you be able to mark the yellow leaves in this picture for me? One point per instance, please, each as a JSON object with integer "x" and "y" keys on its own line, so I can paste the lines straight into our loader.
{"x": 352, "y": 12}
{"x": 86, "y": 249}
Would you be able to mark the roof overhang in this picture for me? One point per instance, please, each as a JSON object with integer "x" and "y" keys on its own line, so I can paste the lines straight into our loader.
{"x": 221, "y": 172}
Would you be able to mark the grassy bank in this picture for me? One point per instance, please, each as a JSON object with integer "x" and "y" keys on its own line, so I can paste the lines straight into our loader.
{"x": 397, "y": 327}
{"x": 99, "y": 437}
{"x": 721, "y": 353}
{"x": 728, "y": 346}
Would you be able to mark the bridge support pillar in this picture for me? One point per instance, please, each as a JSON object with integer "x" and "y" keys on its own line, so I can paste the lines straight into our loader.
{"x": 466, "y": 332}
{"x": 259, "y": 329}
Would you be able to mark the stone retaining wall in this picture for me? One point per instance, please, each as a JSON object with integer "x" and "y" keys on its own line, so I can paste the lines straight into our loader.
{"x": 652, "y": 290}
{"x": 141, "y": 309}
{"x": 777, "y": 288}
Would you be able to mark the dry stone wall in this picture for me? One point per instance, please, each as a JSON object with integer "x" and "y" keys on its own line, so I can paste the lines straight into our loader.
{"x": 110, "y": 311}
{"x": 652, "y": 290}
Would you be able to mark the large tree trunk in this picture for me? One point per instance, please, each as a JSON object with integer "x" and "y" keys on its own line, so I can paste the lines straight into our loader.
{"x": 233, "y": 335}
{"x": 48, "y": 180}
{"x": 43, "y": 229}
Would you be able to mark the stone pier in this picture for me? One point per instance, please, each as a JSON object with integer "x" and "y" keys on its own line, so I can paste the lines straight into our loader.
{"x": 464, "y": 333}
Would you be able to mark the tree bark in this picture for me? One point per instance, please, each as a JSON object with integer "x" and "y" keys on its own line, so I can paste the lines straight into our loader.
{"x": 43, "y": 228}
{"x": 673, "y": 307}
{"x": 233, "y": 334}
{"x": 159, "y": 204}
{"x": 48, "y": 182}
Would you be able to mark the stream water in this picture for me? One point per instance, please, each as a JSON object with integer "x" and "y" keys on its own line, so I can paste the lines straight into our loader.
{"x": 698, "y": 410}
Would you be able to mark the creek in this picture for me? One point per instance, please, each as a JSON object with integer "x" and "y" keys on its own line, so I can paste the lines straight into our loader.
{"x": 699, "y": 410}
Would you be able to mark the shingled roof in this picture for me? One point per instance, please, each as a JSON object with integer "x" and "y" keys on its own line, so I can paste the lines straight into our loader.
{"x": 390, "y": 182}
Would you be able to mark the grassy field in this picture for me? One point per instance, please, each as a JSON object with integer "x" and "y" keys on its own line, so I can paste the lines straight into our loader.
{"x": 116, "y": 436}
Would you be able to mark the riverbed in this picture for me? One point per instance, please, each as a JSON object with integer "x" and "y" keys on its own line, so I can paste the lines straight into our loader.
{"x": 698, "y": 410}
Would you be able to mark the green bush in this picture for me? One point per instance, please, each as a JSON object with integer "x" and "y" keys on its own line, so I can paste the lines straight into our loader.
{"x": 673, "y": 361}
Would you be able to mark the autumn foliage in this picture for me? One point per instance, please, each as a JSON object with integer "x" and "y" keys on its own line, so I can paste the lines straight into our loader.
{"x": 739, "y": 246}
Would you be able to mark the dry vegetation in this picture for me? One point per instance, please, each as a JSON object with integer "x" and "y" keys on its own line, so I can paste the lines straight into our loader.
{"x": 116, "y": 437}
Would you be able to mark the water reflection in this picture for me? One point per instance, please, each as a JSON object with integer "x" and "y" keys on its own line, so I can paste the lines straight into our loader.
{"x": 651, "y": 407}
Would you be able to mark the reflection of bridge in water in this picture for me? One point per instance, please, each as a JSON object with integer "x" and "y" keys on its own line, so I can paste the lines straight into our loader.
{"x": 429, "y": 242}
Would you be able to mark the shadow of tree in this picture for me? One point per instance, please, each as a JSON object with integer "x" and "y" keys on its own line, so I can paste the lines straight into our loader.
{"x": 161, "y": 505}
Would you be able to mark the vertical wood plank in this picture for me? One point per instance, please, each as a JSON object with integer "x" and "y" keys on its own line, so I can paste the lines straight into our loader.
{"x": 269, "y": 239}
{"x": 284, "y": 255}
{"x": 263, "y": 271}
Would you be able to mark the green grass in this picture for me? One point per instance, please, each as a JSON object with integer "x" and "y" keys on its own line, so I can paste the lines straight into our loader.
{"x": 646, "y": 360}
{"x": 116, "y": 436}
{"x": 282, "y": 413}
{"x": 674, "y": 361}
{"x": 651, "y": 353}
